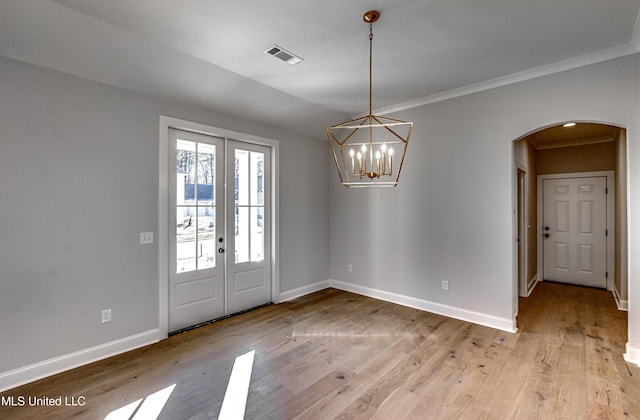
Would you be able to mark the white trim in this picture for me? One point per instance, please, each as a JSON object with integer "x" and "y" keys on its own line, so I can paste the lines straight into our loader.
{"x": 632, "y": 355}
{"x": 163, "y": 205}
{"x": 569, "y": 64}
{"x": 163, "y": 228}
{"x": 504, "y": 324}
{"x": 491, "y": 321}
{"x": 304, "y": 290}
{"x": 275, "y": 221}
{"x": 26, "y": 374}
{"x": 523, "y": 220}
{"x": 538, "y": 233}
{"x": 623, "y": 305}
{"x": 610, "y": 176}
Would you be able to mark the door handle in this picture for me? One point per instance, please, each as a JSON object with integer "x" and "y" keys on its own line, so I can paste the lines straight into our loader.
{"x": 220, "y": 250}
{"x": 546, "y": 235}
{"x": 546, "y": 228}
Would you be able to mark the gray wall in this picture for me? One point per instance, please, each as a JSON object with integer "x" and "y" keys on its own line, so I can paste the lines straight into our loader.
{"x": 451, "y": 217}
{"x": 79, "y": 182}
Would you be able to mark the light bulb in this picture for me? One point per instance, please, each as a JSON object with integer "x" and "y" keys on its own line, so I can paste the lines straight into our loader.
{"x": 383, "y": 147}
{"x": 378, "y": 154}
{"x": 352, "y": 153}
{"x": 391, "y": 151}
{"x": 363, "y": 148}
{"x": 359, "y": 155}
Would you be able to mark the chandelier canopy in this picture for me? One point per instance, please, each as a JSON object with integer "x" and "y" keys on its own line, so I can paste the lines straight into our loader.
{"x": 369, "y": 151}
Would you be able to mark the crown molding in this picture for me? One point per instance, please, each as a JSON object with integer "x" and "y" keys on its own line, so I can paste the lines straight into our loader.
{"x": 569, "y": 64}
{"x": 635, "y": 37}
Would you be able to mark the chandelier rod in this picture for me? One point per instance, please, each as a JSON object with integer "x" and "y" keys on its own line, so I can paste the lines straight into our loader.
{"x": 370, "y": 68}
{"x": 371, "y": 17}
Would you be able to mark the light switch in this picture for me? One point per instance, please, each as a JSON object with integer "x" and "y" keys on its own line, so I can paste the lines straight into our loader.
{"x": 146, "y": 238}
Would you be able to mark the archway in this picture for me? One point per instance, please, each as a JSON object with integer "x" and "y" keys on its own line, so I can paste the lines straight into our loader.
{"x": 555, "y": 152}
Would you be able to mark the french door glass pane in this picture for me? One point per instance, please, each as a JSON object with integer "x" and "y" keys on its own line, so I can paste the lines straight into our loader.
{"x": 195, "y": 205}
{"x": 185, "y": 172}
{"x": 206, "y": 173}
{"x": 206, "y": 237}
{"x": 257, "y": 168}
{"x": 242, "y": 234}
{"x": 186, "y": 219}
{"x": 242, "y": 178}
{"x": 257, "y": 242}
{"x": 249, "y": 206}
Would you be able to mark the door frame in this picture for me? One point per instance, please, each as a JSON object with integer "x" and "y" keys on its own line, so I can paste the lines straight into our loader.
{"x": 522, "y": 224}
{"x": 610, "y": 219}
{"x": 163, "y": 206}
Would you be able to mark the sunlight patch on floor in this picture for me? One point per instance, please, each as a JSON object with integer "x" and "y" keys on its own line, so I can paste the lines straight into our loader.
{"x": 147, "y": 408}
{"x": 235, "y": 398}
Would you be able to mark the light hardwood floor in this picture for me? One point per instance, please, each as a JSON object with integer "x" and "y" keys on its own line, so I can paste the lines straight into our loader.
{"x": 338, "y": 355}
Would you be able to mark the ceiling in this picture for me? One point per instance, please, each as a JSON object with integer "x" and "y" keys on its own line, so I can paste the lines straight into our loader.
{"x": 210, "y": 53}
{"x": 579, "y": 135}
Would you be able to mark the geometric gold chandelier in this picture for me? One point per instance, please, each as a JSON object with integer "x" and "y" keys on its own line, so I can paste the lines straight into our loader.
{"x": 369, "y": 151}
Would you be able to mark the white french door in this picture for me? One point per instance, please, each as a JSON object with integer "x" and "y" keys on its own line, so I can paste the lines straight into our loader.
{"x": 219, "y": 242}
{"x": 249, "y": 225}
{"x": 574, "y": 231}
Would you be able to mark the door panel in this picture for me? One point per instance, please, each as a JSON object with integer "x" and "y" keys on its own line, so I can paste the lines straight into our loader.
{"x": 574, "y": 220}
{"x": 248, "y": 212}
{"x": 195, "y": 291}
{"x": 249, "y": 279}
{"x": 196, "y": 271}
{"x": 561, "y": 256}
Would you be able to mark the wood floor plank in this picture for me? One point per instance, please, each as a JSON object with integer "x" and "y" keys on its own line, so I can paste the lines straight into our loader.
{"x": 408, "y": 370}
{"x": 338, "y": 355}
{"x": 356, "y": 383}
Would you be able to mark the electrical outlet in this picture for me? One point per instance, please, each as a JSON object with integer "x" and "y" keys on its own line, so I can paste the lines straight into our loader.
{"x": 349, "y": 268}
{"x": 106, "y": 315}
{"x": 146, "y": 238}
{"x": 445, "y": 285}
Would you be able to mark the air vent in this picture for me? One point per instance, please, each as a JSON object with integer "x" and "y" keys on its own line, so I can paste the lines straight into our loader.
{"x": 284, "y": 55}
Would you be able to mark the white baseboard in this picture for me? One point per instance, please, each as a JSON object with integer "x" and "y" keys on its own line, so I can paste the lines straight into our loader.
{"x": 623, "y": 305}
{"x": 503, "y": 324}
{"x": 632, "y": 355}
{"x": 304, "y": 290}
{"x": 21, "y": 376}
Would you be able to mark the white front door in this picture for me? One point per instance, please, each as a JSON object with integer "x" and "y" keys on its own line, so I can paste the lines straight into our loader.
{"x": 219, "y": 249}
{"x": 574, "y": 231}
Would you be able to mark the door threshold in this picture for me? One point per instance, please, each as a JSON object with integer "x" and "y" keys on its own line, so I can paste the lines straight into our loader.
{"x": 202, "y": 324}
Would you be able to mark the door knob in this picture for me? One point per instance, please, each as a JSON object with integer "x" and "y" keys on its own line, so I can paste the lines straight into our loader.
{"x": 546, "y": 235}
{"x": 221, "y": 250}
{"x": 220, "y": 239}
{"x": 546, "y": 228}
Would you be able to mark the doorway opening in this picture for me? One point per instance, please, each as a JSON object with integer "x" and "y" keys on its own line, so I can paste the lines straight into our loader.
{"x": 570, "y": 208}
